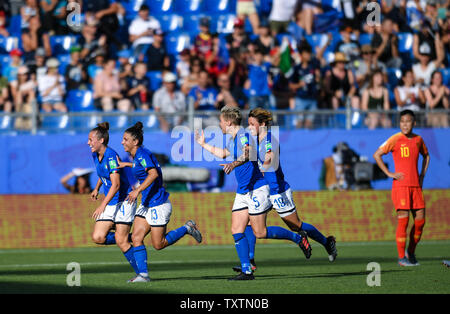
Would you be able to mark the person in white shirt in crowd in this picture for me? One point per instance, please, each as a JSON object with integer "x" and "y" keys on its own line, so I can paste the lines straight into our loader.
{"x": 281, "y": 15}
{"x": 141, "y": 29}
{"x": 52, "y": 88}
{"x": 168, "y": 99}
{"x": 408, "y": 95}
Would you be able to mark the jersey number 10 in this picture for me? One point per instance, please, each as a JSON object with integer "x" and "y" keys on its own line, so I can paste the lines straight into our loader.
{"x": 404, "y": 151}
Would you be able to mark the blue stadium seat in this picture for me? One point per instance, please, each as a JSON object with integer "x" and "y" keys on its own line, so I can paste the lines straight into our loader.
{"x": 177, "y": 41}
{"x": 6, "y": 123}
{"x": 405, "y": 42}
{"x": 158, "y": 7}
{"x": 223, "y": 24}
{"x": 365, "y": 39}
{"x": 119, "y": 122}
{"x": 132, "y": 7}
{"x": 55, "y": 122}
{"x": 317, "y": 40}
{"x": 14, "y": 27}
{"x": 170, "y": 22}
{"x": 220, "y": 6}
{"x": 62, "y": 44}
{"x": 150, "y": 121}
{"x": 85, "y": 122}
{"x": 446, "y": 76}
{"x": 8, "y": 43}
{"x": 155, "y": 78}
{"x": 184, "y": 7}
{"x": 64, "y": 61}
{"x": 5, "y": 60}
{"x": 80, "y": 100}
{"x": 191, "y": 23}
{"x": 394, "y": 76}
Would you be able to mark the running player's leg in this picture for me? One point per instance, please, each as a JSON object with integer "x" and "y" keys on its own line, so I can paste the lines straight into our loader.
{"x": 102, "y": 234}
{"x": 122, "y": 240}
{"x": 141, "y": 228}
{"x": 239, "y": 221}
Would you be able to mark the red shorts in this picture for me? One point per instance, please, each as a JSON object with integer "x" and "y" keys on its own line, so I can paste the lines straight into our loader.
{"x": 407, "y": 197}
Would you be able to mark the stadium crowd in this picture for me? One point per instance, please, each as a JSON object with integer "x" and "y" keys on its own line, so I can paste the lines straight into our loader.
{"x": 281, "y": 54}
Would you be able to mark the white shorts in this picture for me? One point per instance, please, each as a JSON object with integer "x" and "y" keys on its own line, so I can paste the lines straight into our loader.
{"x": 283, "y": 203}
{"x": 245, "y": 7}
{"x": 257, "y": 201}
{"x": 158, "y": 216}
{"x": 120, "y": 213}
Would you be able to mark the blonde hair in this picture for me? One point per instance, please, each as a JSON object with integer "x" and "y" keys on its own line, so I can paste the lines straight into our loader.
{"x": 262, "y": 115}
{"x": 232, "y": 114}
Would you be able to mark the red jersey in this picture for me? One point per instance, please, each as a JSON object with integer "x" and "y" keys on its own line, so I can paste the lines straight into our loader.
{"x": 405, "y": 152}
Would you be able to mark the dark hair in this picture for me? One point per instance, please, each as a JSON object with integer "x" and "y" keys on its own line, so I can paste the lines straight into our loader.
{"x": 102, "y": 130}
{"x": 262, "y": 115}
{"x": 137, "y": 132}
{"x": 408, "y": 112}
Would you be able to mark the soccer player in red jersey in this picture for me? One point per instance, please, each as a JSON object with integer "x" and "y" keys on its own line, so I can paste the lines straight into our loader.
{"x": 407, "y": 195}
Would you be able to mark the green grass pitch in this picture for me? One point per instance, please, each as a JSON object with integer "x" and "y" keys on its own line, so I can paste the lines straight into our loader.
{"x": 282, "y": 269}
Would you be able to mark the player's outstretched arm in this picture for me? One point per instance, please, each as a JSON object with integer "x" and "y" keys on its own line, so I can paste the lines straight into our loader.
{"x": 216, "y": 151}
{"x": 377, "y": 156}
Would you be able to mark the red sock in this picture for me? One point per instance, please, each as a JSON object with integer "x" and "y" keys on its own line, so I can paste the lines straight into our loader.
{"x": 415, "y": 234}
{"x": 400, "y": 235}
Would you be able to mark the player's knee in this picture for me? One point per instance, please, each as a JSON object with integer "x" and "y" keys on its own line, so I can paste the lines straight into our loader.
{"x": 98, "y": 238}
{"x": 158, "y": 246}
{"x": 260, "y": 234}
{"x": 137, "y": 239}
{"x": 121, "y": 239}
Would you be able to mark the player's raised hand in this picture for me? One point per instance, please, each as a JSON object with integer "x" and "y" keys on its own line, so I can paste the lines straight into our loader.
{"x": 200, "y": 137}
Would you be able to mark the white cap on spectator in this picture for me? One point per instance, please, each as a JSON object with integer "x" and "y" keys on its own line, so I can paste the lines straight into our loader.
{"x": 169, "y": 77}
{"x": 52, "y": 63}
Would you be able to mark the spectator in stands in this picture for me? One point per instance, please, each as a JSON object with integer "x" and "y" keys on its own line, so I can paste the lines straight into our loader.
{"x": 230, "y": 96}
{"x": 366, "y": 65}
{"x": 157, "y": 57}
{"x": 168, "y": 99}
{"x": 91, "y": 41}
{"x": 437, "y": 97}
{"x": 53, "y": 16}
{"x": 138, "y": 87}
{"x": 195, "y": 67}
{"x": 75, "y": 74}
{"x": 394, "y": 10}
{"x": 203, "y": 95}
{"x": 182, "y": 66}
{"x": 10, "y": 71}
{"x": 281, "y": 15}
{"x": 203, "y": 42}
{"x": 265, "y": 41}
{"x": 385, "y": 43}
{"x": 141, "y": 30}
{"x": 28, "y": 11}
{"x": 347, "y": 45}
{"x": 95, "y": 68}
{"x": 408, "y": 95}
{"x": 238, "y": 38}
{"x": 303, "y": 82}
{"x": 24, "y": 96}
{"x": 34, "y": 37}
{"x": 125, "y": 67}
{"x": 376, "y": 97}
{"x": 52, "y": 88}
{"x": 107, "y": 91}
{"x": 3, "y": 29}
{"x": 426, "y": 39}
{"x": 305, "y": 14}
{"x": 247, "y": 8}
{"x": 105, "y": 13}
{"x": 37, "y": 66}
{"x": 259, "y": 81}
{"x": 339, "y": 84}
{"x": 238, "y": 68}
{"x": 5, "y": 99}
{"x": 426, "y": 66}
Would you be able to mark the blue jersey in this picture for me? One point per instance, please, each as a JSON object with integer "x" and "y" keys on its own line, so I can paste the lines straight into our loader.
{"x": 274, "y": 175}
{"x": 248, "y": 176}
{"x": 155, "y": 194}
{"x": 105, "y": 168}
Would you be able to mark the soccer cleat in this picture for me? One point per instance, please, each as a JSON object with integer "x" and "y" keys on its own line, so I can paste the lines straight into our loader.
{"x": 238, "y": 269}
{"x": 193, "y": 231}
{"x": 243, "y": 276}
{"x": 139, "y": 278}
{"x": 304, "y": 244}
{"x": 412, "y": 258}
{"x": 405, "y": 262}
{"x": 331, "y": 248}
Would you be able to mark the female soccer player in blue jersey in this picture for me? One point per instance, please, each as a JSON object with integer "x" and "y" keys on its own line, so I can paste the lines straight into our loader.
{"x": 252, "y": 197}
{"x": 155, "y": 210}
{"x": 259, "y": 121}
{"x": 113, "y": 210}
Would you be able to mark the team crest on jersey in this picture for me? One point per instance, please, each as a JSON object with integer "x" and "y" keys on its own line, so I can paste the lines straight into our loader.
{"x": 268, "y": 146}
{"x": 244, "y": 140}
{"x": 144, "y": 163}
{"x": 112, "y": 164}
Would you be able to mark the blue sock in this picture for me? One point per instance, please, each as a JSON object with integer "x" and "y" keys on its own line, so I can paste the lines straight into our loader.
{"x": 313, "y": 233}
{"x": 275, "y": 232}
{"x": 129, "y": 255}
{"x": 175, "y": 235}
{"x": 140, "y": 255}
{"x": 251, "y": 241}
{"x": 110, "y": 238}
{"x": 241, "y": 244}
